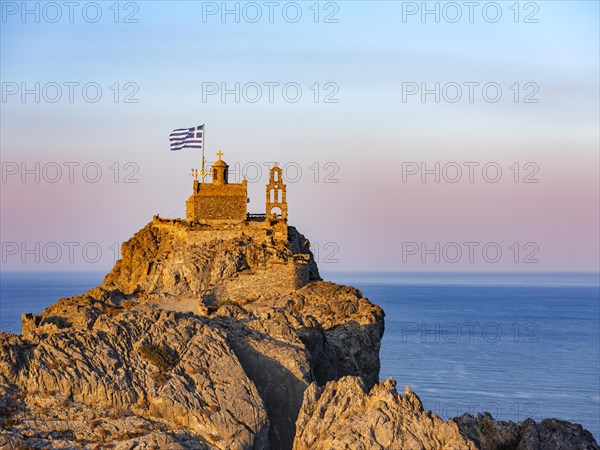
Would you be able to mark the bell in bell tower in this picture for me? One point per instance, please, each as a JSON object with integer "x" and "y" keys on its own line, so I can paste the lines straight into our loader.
{"x": 276, "y": 205}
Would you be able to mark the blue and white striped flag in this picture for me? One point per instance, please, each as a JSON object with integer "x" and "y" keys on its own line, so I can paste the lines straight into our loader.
{"x": 187, "y": 138}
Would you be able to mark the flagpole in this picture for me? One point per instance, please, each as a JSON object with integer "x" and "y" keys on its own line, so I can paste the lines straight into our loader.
{"x": 203, "y": 144}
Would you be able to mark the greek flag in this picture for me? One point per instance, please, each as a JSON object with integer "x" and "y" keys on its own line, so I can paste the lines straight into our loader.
{"x": 187, "y": 138}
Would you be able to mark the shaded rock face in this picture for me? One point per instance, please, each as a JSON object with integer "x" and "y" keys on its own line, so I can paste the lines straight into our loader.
{"x": 346, "y": 415}
{"x": 286, "y": 343}
{"x": 222, "y": 338}
{"x": 549, "y": 434}
{"x": 352, "y": 345}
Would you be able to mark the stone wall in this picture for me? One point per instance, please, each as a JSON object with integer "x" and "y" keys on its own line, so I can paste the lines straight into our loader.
{"x": 260, "y": 231}
{"x": 275, "y": 278}
{"x": 213, "y": 203}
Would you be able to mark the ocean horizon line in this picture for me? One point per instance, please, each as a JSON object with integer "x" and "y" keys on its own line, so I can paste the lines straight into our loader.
{"x": 352, "y": 271}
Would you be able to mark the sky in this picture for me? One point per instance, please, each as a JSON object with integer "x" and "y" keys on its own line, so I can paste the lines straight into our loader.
{"x": 414, "y": 136}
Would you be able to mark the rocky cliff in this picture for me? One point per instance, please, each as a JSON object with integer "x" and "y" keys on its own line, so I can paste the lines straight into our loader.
{"x": 223, "y": 338}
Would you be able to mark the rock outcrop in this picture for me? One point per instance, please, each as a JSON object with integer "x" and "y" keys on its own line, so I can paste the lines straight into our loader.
{"x": 146, "y": 363}
{"x": 199, "y": 336}
{"x": 346, "y": 415}
{"x": 549, "y": 434}
{"x": 222, "y": 338}
{"x": 229, "y": 262}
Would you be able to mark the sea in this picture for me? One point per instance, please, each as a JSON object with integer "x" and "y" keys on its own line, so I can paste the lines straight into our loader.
{"x": 516, "y": 345}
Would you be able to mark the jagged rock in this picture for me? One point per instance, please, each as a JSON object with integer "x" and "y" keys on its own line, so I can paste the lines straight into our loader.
{"x": 549, "y": 434}
{"x": 187, "y": 375}
{"x": 220, "y": 338}
{"x": 346, "y": 415}
{"x": 241, "y": 364}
